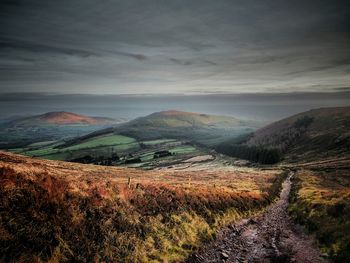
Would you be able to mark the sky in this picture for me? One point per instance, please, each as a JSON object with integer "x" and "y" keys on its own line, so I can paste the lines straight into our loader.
{"x": 174, "y": 47}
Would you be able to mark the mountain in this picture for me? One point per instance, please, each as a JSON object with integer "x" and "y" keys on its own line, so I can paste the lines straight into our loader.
{"x": 202, "y": 128}
{"x": 181, "y": 119}
{"x": 58, "y": 118}
{"x": 307, "y": 135}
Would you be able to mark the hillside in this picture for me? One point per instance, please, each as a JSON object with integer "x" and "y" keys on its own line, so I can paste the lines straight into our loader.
{"x": 47, "y": 128}
{"x": 181, "y": 134}
{"x": 320, "y": 202}
{"x": 200, "y": 128}
{"x": 57, "y": 118}
{"x": 55, "y": 211}
{"x": 316, "y": 133}
{"x": 181, "y": 119}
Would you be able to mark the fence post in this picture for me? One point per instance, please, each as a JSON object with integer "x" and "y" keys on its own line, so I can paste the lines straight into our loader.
{"x": 129, "y": 182}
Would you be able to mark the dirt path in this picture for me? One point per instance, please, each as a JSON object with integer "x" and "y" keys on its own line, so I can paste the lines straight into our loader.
{"x": 272, "y": 237}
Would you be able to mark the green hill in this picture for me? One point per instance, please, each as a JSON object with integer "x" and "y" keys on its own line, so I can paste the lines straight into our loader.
{"x": 174, "y": 131}
{"x": 180, "y": 119}
{"x": 200, "y": 128}
{"x": 48, "y": 127}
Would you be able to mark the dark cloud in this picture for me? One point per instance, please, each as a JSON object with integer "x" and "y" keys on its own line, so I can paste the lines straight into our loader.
{"x": 17, "y": 45}
{"x": 181, "y": 46}
{"x": 138, "y": 57}
{"x": 181, "y": 61}
{"x": 210, "y": 62}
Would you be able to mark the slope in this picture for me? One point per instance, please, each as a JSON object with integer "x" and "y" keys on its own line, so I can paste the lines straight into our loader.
{"x": 308, "y": 135}
{"x": 200, "y": 128}
{"x": 63, "y": 212}
{"x": 48, "y": 127}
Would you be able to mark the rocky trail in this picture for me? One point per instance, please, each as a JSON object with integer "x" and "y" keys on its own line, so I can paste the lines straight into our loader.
{"x": 270, "y": 237}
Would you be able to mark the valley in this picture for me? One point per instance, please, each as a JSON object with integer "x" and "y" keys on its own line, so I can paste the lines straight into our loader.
{"x": 189, "y": 131}
{"x": 175, "y": 135}
{"x": 181, "y": 187}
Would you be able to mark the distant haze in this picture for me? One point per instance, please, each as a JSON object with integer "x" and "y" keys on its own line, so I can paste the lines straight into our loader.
{"x": 264, "y": 107}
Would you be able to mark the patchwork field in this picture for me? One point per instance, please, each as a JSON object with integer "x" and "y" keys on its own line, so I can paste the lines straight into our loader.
{"x": 55, "y": 211}
{"x": 108, "y": 141}
{"x": 107, "y": 146}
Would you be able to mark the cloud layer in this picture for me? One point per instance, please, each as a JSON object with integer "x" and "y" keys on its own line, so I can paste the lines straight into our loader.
{"x": 196, "y": 46}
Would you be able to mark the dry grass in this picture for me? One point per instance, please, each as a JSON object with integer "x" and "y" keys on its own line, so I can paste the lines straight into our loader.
{"x": 54, "y": 211}
{"x": 321, "y": 202}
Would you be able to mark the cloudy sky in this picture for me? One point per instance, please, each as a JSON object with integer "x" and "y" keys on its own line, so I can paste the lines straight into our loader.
{"x": 187, "y": 47}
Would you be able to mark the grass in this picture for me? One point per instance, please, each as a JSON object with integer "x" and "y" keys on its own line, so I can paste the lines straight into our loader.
{"x": 160, "y": 141}
{"x": 62, "y": 212}
{"x": 42, "y": 151}
{"x": 102, "y": 145}
{"x": 24, "y": 138}
{"x": 321, "y": 202}
{"x": 40, "y": 144}
{"x": 105, "y": 145}
{"x": 183, "y": 149}
{"x": 57, "y": 156}
{"x": 107, "y": 140}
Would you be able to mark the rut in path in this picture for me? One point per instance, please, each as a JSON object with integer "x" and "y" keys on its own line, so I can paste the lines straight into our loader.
{"x": 271, "y": 237}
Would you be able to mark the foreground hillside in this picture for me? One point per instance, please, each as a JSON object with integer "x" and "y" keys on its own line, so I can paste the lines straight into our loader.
{"x": 310, "y": 135}
{"x": 55, "y": 211}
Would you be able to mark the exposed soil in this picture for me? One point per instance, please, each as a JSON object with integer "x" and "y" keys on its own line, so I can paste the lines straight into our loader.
{"x": 270, "y": 237}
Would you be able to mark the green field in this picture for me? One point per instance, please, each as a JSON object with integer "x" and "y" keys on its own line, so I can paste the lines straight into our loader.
{"x": 183, "y": 149}
{"x": 108, "y": 144}
{"x": 107, "y": 140}
{"x": 40, "y": 144}
{"x": 160, "y": 141}
{"x": 97, "y": 146}
{"x": 126, "y": 147}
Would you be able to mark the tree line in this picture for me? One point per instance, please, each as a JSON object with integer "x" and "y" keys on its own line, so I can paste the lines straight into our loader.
{"x": 256, "y": 154}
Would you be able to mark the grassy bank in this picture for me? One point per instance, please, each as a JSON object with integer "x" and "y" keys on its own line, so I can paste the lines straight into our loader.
{"x": 321, "y": 202}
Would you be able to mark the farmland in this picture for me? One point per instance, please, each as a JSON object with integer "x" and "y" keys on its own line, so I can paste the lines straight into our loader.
{"x": 137, "y": 143}
{"x": 143, "y": 194}
{"x": 23, "y": 132}
{"x": 108, "y": 145}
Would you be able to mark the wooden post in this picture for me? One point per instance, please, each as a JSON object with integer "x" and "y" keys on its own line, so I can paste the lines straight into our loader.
{"x": 129, "y": 182}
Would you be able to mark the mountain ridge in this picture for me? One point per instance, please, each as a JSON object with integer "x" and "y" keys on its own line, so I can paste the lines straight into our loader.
{"x": 318, "y": 132}
{"x": 175, "y": 118}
